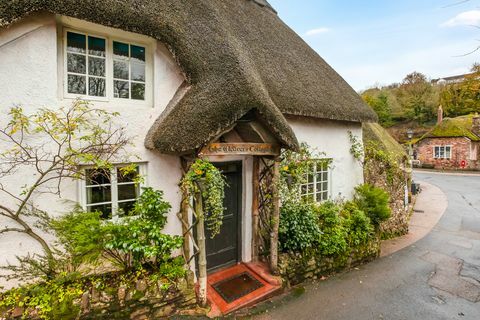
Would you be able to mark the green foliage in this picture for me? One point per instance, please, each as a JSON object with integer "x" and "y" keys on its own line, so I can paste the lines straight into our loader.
{"x": 358, "y": 224}
{"x": 334, "y": 237}
{"x": 374, "y": 202}
{"x": 299, "y": 227}
{"x": 380, "y": 104}
{"x": 132, "y": 242}
{"x": 204, "y": 177}
{"x": 53, "y": 299}
{"x": 81, "y": 236}
{"x": 464, "y": 97}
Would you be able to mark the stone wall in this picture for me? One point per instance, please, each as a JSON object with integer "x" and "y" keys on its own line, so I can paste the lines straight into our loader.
{"x": 298, "y": 267}
{"x": 143, "y": 299}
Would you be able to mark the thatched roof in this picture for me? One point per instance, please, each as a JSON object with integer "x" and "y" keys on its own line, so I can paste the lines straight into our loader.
{"x": 453, "y": 128}
{"x": 237, "y": 55}
{"x": 373, "y": 132}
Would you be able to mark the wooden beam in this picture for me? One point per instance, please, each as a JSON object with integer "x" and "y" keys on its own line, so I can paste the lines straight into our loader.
{"x": 275, "y": 218}
{"x": 255, "y": 207}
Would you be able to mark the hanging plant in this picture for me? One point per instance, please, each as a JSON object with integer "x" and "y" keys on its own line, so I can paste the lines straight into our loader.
{"x": 205, "y": 178}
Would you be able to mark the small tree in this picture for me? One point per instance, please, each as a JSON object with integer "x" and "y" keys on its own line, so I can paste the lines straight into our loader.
{"x": 54, "y": 144}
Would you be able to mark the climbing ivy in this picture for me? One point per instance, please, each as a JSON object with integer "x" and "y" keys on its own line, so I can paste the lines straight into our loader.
{"x": 204, "y": 177}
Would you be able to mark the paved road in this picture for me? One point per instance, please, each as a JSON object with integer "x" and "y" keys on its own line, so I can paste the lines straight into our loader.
{"x": 431, "y": 279}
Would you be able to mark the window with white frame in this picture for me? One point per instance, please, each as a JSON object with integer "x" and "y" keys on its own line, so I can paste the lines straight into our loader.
{"x": 113, "y": 192}
{"x": 100, "y": 67}
{"x": 442, "y": 152}
{"x": 316, "y": 186}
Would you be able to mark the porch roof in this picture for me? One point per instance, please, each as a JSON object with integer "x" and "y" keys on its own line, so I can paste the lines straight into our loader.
{"x": 237, "y": 55}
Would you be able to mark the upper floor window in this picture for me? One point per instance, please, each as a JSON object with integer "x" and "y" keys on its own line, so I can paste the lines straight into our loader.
{"x": 442, "y": 152}
{"x": 103, "y": 68}
{"x": 316, "y": 186}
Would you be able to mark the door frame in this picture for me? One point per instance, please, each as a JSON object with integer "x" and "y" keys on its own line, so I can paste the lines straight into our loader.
{"x": 240, "y": 167}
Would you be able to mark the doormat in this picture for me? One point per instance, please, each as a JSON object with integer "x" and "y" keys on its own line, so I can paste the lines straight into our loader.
{"x": 238, "y": 286}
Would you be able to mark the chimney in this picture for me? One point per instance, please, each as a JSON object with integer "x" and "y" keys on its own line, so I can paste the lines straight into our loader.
{"x": 476, "y": 124}
{"x": 439, "y": 114}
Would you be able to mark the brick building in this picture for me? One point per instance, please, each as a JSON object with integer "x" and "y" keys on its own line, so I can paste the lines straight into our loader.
{"x": 452, "y": 144}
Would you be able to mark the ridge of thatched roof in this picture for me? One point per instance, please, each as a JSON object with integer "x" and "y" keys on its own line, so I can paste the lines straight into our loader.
{"x": 374, "y": 132}
{"x": 237, "y": 55}
{"x": 453, "y": 127}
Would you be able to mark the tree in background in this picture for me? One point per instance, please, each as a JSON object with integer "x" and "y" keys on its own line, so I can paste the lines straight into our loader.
{"x": 380, "y": 104}
{"x": 464, "y": 97}
{"x": 418, "y": 97}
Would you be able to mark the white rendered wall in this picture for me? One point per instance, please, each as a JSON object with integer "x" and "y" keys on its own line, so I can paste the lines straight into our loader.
{"x": 30, "y": 76}
{"x": 332, "y": 138}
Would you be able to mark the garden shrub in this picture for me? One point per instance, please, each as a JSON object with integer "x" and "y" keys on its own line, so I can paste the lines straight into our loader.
{"x": 358, "y": 225}
{"x": 374, "y": 202}
{"x": 132, "y": 242}
{"x": 299, "y": 227}
{"x": 333, "y": 240}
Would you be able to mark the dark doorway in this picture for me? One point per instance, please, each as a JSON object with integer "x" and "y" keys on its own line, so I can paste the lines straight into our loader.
{"x": 224, "y": 250}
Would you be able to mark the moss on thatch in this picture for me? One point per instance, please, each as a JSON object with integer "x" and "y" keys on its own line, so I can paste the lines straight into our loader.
{"x": 237, "y": 55}
{"x": 453, "y": 127}
{"x": 374, "y": 132}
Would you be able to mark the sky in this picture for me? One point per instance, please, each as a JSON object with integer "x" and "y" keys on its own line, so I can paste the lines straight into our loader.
{"x": 378, "y": 42}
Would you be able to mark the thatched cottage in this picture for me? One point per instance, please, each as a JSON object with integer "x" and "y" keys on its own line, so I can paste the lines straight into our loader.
{"x": 182, "y": 75}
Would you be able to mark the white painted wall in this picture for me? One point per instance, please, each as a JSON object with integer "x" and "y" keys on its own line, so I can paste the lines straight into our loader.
{"x": 30, "y": 76}
{"x": 332, "y": 138}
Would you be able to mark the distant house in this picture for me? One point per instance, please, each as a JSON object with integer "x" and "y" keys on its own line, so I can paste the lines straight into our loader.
{"x": 451, "y": 79}
{"x": 452, "y": 144}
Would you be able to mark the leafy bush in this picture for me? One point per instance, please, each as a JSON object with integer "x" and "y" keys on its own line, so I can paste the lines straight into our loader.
{"x": 53, "y": 299}
{"x": 357, "y": 223}
{"x": 138, "y": 241}
{"x": 333, "y": 240}
{"x": 299, "y": 228}
{"x": 374, "y": 202}
{"x": 132, "y": 242}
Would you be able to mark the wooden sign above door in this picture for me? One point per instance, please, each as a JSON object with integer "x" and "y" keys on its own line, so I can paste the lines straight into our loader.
{"x": 256, "y": 149}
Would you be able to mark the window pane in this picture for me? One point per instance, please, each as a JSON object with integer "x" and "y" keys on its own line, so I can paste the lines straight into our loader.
{"x": 125, "y": 208}
{"x": 324, "y": 176}
{"x": 77, "y": 84}
{"x": 96, "y": 46}
{"x": 96, "y": 66}
{"x": 105, "y": 209}
{"x": 96, "y": 87}
{"x": 310, "y": 178}
{"x": 121, "y": 89}
{"x": 303, "y": 189}
{"x": 123, "y": 176}
{"x": 127, "y": 191}
{"x": 76, "y": 42}
{"x": 310, "y": 188}
{"x": 138, "y": 91}
{"x": 325, "y": 186}
{"x": 138, "y": 71}
{"x": 97, "y": 176}
{"x": 120, "y": 70}
{"x": 120, "y": 50}
{"x": 99, "y": 194}
{"x": 76, "y": 63}
{"x": 138, "y": 53}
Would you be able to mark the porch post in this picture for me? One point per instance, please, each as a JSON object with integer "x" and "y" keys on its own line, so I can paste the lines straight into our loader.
{"x": 255, "y": 205}
{"x": 275, "y": 218}
{"x": 202, "y": 256}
